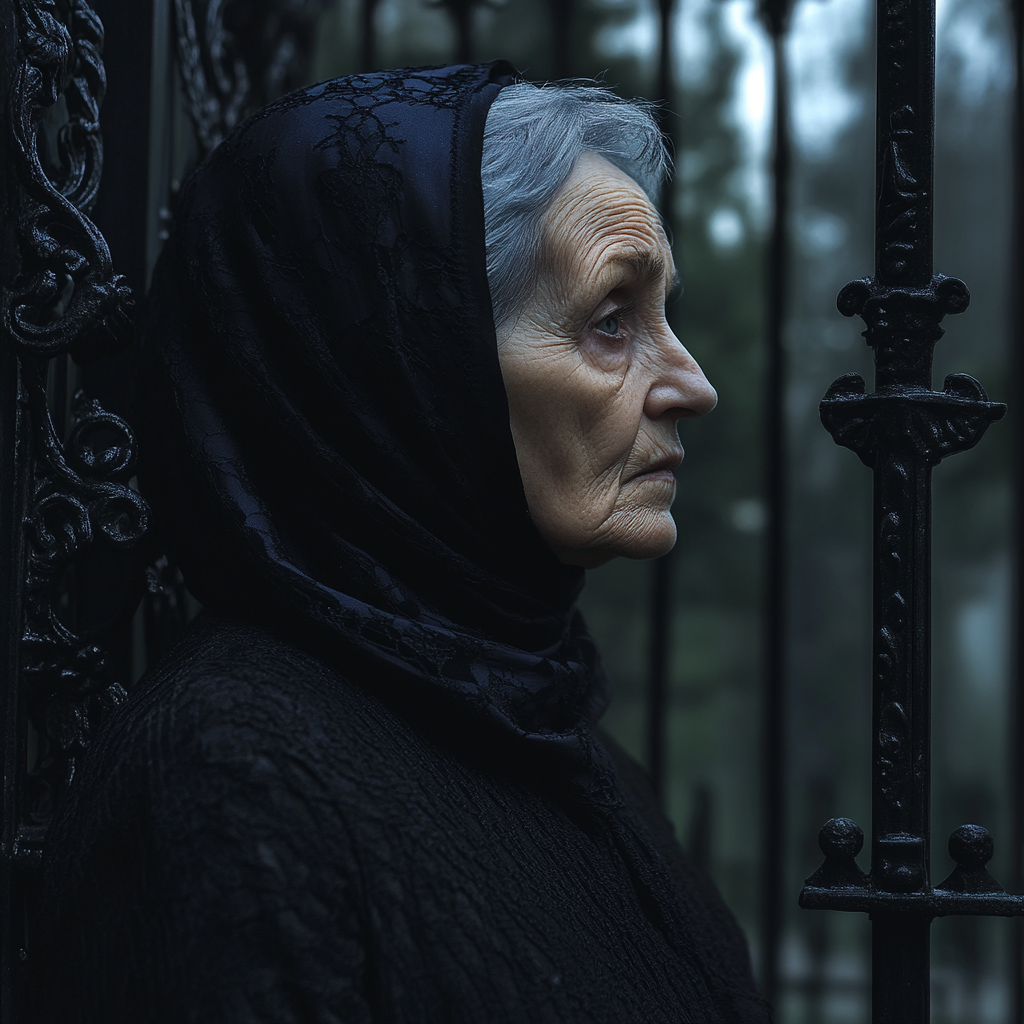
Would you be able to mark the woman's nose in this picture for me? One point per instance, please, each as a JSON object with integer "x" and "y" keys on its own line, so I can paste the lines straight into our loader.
{"x": 679, "y": 388}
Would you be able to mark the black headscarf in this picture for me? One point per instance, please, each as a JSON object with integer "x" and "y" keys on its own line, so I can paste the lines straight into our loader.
{"x": 326, "y": 439}
{"x": 326, "y": 431}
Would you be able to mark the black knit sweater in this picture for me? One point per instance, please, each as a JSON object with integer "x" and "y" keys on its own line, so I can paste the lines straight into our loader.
{"x": 254, "y": 839}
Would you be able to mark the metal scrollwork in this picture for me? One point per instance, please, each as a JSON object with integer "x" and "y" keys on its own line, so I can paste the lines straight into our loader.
{"x": 66, "y": 297}
{"x": 63, "y": 301}
{"x": 237, "y": 55}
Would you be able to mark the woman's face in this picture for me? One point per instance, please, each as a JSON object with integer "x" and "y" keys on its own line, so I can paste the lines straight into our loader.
{"x": 596, "y": 380}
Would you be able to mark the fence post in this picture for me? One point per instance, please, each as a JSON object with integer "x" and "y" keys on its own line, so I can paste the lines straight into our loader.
{"x": 900, "y": 431}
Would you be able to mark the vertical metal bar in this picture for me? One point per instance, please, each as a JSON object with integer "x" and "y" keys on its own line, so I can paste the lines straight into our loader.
{"x": 775, "y": 595}
{"x": 121, "y": 203}
{"x": 121, "y": 214}
{"x": 1017, "y": 392}
{"x": 561, "y": 12}
{"x": 14, "y": 462}
{"x": 666, "y": 93}
{"x": 904, "y": 140}
{"x": 162, "y": 103}
{"x": 901, "y": 727}
{"x": 367, "y": 35}
{"x": 13, "y": 501}
{"x": 661, "y": 569}
{"x": 462, "y": 14}
{"x": 901, "y": 716}
{"x": 900, "y": 948}
{"x": 657, "y": 678}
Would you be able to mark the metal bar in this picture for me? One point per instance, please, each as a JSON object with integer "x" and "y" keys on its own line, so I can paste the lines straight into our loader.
{"x": 904, "y": 149}
{"x": 561, "y": 12}
{"x": 121, "y": 202}
{"x": 121, "y": 213}
{"x": 901, "y": 724}
{"x": 666, "y": 93}
{"x": 13, "y": 502}
{"x": 661, "y": 569}
{"x": 14, "y": 463}
{"x": 461, "y": 12}
{"x": 899, "y": 945}
{"x": 657, "y": 678}
{"x": 901, "y": 715}
{"x": 367, "y": 35}
{"x": 1017, "y": 392}
{"x": 775, "y": 596}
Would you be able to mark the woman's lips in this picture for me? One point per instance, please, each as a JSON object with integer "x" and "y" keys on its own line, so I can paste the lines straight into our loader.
{"x": 661, "y": 469}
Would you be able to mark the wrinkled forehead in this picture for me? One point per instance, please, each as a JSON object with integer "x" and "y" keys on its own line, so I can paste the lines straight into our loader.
{"x": 602, "y": 223}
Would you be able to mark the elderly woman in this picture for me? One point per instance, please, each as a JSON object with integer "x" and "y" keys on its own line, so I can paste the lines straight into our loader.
{"x": 406, "y": 374}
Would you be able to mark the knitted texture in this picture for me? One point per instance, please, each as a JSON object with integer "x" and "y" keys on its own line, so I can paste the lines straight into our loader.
{"x": 254, "y": 839}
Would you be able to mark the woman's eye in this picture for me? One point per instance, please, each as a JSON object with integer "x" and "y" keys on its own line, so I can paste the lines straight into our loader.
{"x": 609, "y": 325}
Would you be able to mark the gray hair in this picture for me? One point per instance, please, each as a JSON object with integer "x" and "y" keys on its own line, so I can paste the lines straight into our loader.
{"x": 533, "y": 137}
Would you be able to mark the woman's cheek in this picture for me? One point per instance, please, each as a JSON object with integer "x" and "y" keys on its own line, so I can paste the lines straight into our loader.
{"x": 609, "y": 355}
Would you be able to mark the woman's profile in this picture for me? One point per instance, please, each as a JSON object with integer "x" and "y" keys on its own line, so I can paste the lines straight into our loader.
{"x": 406, "y": 374}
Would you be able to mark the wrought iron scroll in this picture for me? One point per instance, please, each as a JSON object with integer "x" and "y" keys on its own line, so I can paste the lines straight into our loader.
{"x": 901, "y": 430}
{"x": 234, "y": 56}
{"x": 67, "y": 462}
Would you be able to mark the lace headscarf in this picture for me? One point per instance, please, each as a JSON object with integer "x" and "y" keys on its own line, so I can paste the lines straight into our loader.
{"x": 325, "y": 429}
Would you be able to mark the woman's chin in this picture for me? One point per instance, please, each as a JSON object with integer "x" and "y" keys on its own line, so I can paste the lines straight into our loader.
{"x": 648, "y": 537}
{"x": 639, "y": 534}
{"x": 659, "y": 539}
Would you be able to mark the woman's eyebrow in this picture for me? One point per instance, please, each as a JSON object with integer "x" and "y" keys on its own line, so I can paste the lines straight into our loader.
{"x": 648, "y": 265}
{"x": 645, "y": 263}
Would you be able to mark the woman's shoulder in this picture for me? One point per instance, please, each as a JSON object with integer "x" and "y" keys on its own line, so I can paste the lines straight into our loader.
{"x": 218, "y": 657}
{"x": 231, "y": 687}
{"x": 204, "y": 832}
{"x": 235, "y": 720}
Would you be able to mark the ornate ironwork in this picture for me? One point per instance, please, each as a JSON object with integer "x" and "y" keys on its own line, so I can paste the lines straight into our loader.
{"x": 63, "y": 300}
{"x": 901, "y": 430}
{"x": 234, "y": 56}
{"x": 66, "y": 297}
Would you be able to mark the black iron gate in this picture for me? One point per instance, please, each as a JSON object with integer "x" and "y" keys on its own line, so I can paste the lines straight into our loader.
{"x": 181, "y": 74}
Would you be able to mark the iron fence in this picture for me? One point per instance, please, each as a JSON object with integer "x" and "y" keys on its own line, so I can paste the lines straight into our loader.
{"x": 181, "y": 73}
